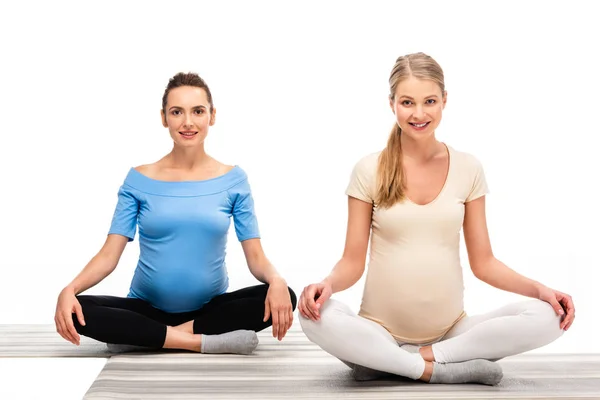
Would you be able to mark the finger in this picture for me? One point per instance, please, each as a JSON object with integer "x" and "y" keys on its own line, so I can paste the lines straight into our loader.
{"x": 566, "y": 304}
{"x": 72, "y": 330}
{"x": 301, "y": 308}
{"x": 317, "y": 304}
{"x": 306, "y": 312}
{"x": 59, "y": 328}
{"x": 310, "y": 298}
{"x": 321, "y": 300}
{"x": 566, "y": 321}
{"x": 570, "y": 313}
{"x": 275, "y": 318}
{"x": 570, "y": 305}
{"x": 281, "y": 328}
{"x": 291, "y": 318}
{"x": 565, "y": 299}
{"x": 62, "y": 330}
{"x": 267, "y": 311}
{"x": 565, "y": 324}
{"x": 569, "y": 318}
{"x": 309, "y": 303}
{"x": 557, "y": 307}
{"x": 66, "y": 333}
{"x": 285, "y": 316}
{"x": 79, "y": 313}
{"x": 570, "y": 323}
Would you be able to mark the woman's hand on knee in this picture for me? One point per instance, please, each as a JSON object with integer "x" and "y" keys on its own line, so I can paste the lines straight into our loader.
{"x": 278, "y": 306}
{"x": 312, "y": 299}
{"x": 66, "y": 306}
{"x": 562, "y": 304}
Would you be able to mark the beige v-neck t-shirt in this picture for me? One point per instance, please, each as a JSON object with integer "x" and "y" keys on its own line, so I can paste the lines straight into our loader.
{"x": 414, "y": 285}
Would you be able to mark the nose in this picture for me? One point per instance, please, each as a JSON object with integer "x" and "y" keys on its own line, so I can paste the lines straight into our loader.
{"x": 419, "y": 113}
{"x": 188, "y": 121}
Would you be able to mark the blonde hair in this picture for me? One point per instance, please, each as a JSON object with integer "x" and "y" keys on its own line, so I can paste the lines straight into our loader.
{"x": 390, "y": 175}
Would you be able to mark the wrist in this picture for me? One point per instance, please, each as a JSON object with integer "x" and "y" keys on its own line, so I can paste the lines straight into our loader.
{"x": 538, "y": 289}
{"x": 327, "y": 282}
{"x": 70, "y": 289}
{"x": 276, "y": 280}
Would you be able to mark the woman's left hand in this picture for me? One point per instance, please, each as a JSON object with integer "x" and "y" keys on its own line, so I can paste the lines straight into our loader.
{"x": 278, "y": 305}
{"x": 562, "y": 304}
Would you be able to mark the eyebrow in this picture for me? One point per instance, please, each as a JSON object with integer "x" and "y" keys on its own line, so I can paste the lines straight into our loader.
{"x": 410, "y": 98}
{"x": 181, "y": 108}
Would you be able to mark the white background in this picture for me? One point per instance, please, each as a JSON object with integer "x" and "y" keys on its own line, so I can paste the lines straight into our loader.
{"x": 301, "y": 94}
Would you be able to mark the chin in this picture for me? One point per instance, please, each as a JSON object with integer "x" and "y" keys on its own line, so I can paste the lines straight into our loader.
{"x": 418, "y": 135}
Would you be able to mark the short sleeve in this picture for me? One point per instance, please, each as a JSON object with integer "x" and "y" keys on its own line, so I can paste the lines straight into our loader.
{"x": 362, "y": 179}
{"x": 124, "y": 221}
{"x": 244, "y": 215}
{"x": 479, "y": 185}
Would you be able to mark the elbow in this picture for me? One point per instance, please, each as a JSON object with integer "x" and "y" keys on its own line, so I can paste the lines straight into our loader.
{"x": 481, "y": 267}
{"x": 354, "y": 267}
{"x": 477, "y": 272}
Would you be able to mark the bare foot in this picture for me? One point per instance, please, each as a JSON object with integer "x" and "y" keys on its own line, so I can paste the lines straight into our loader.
{"x": 426, "y": 377}
{"x": 187, "y": 327}
{"x": 178, "y": 339}
{"x": 427, "y": 353}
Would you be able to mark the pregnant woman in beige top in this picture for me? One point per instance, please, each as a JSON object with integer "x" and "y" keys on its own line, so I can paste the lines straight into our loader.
{"x": 412, "y": 199}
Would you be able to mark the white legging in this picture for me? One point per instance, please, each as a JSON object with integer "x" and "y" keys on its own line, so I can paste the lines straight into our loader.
{"x": 510, "y": 330}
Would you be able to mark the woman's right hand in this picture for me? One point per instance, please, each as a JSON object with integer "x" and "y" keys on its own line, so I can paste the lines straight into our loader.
{"x": 312, "y": 299}
{"x": 66, "y": 306}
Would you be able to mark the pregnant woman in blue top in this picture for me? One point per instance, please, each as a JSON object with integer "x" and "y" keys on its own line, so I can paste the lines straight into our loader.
{"x": 181, "y": 207}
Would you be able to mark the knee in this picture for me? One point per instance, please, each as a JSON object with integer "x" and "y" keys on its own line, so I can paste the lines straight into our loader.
{"x": 545, "y": 318}
{"x": 326, "y": 323}
{"x": 78, "y": 327}
{"x": 306, "y": 324}
{"x": 265, "y": 289}
{"x": 85, "y": 302}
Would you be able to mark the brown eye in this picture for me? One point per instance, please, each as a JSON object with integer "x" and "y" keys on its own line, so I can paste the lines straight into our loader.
{"x": 406, "y": 103}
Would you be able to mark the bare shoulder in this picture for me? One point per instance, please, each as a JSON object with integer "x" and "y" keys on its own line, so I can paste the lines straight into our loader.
{"x": 221, "y": 168}
{"x": 226, "y": 167}
{"x": 150, "y": 170}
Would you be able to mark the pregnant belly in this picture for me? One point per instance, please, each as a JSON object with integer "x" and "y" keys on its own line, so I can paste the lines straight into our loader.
{"x": 178, "y": 290}
{"x": 414, "y": 305}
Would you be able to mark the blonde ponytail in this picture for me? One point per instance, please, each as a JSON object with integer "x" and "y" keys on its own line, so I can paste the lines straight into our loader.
{"x": 390, "y": 175}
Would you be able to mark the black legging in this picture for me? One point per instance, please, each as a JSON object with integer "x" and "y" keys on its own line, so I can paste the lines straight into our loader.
{"x": 119, "y": 320}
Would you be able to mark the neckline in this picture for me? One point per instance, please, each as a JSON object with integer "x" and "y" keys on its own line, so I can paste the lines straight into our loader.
{"x": 194, "y": 182}
{"x": 442, "y": 190}
{"x": 218, "y": 184}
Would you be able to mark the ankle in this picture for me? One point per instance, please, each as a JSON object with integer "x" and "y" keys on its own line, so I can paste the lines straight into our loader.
{"x": 426, "y": 377}
{"x": 178, "y": 339}
{"x": 427, "y": 353}
{"x": 187, "y": 327}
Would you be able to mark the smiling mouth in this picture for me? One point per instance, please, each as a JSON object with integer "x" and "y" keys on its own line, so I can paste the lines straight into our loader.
{"x": 423, "y": 125}
{"x": 188, "y": 134}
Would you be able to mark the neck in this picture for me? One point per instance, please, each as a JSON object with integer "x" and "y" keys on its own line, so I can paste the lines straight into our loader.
{"x": 420, "y": 150}
{"x": 187, "y": 158}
